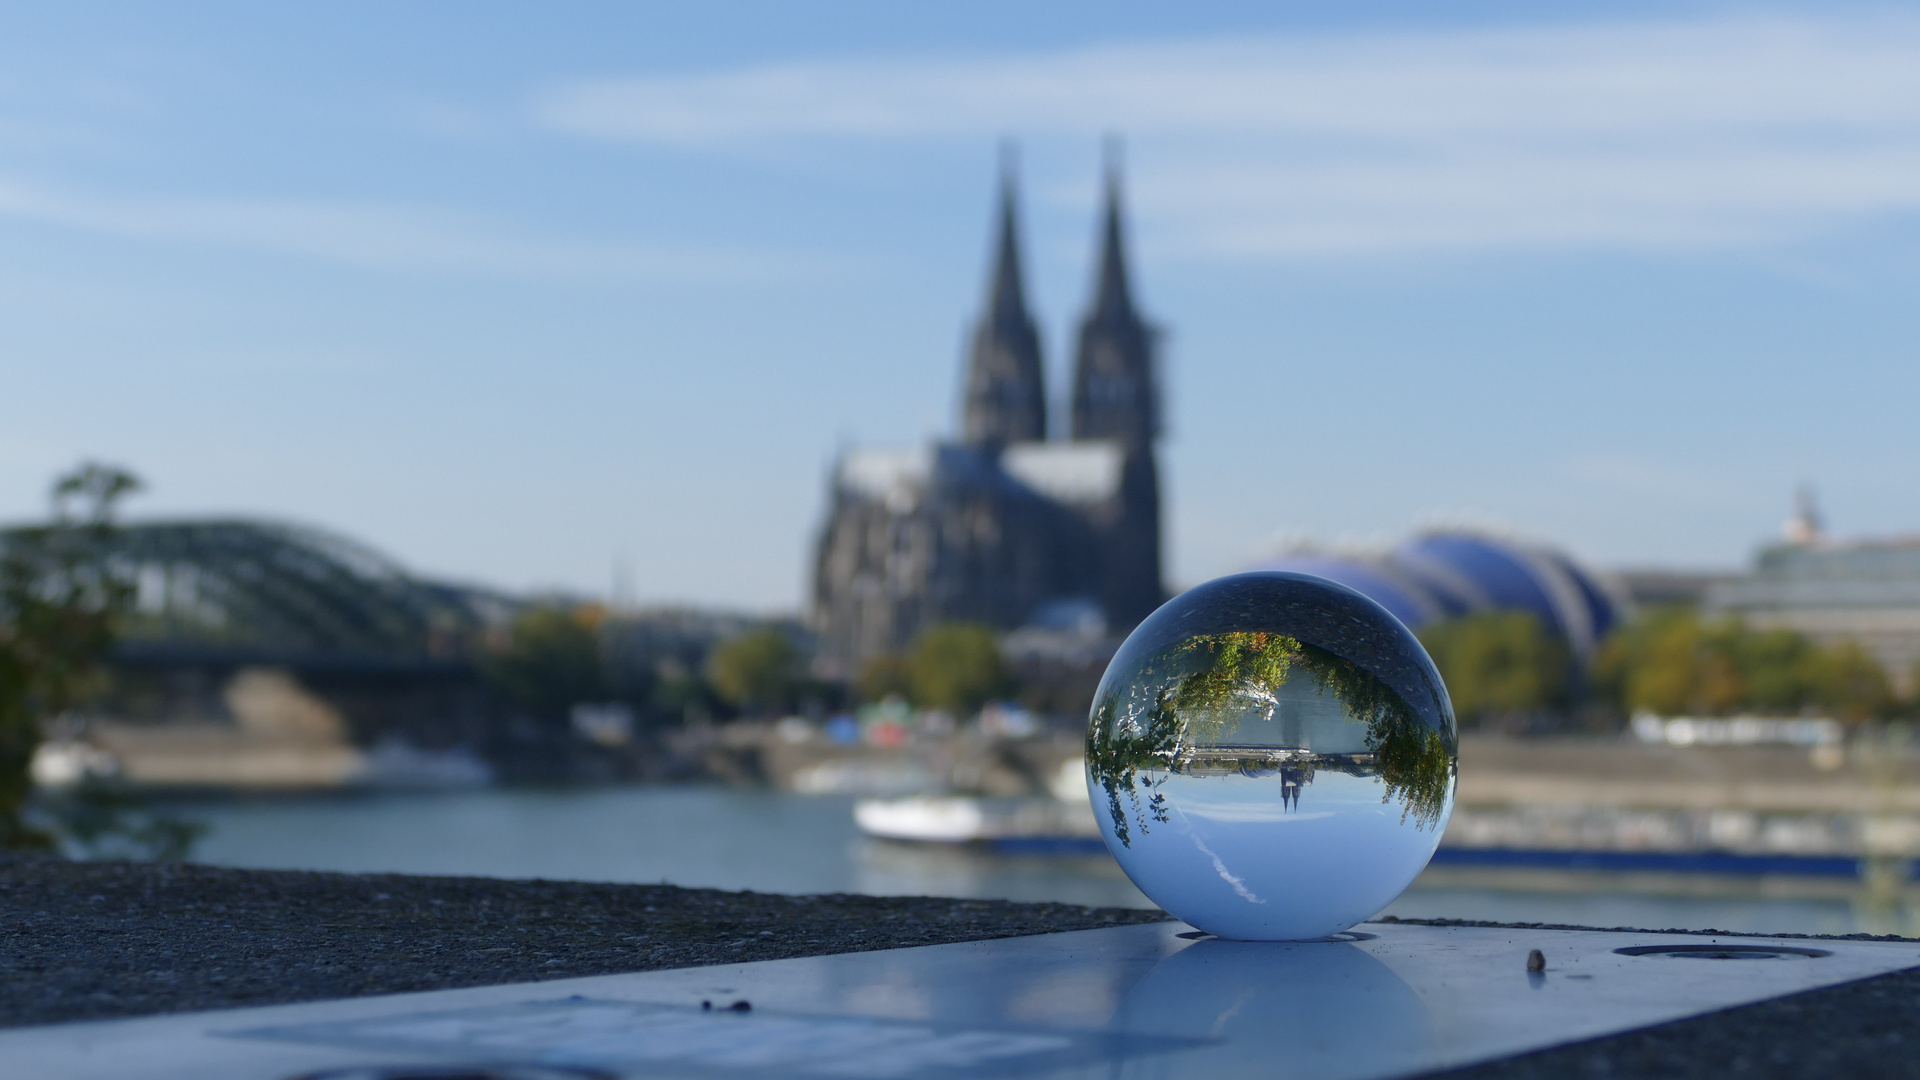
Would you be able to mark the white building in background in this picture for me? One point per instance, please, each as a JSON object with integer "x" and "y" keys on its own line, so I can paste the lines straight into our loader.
{"x": 1865, "y": 591}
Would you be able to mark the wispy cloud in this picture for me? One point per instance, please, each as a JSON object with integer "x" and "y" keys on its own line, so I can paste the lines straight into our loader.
{"x": 1654, "y": 135}
{"x": 1662, "y": 482}
{"x": 379, "y": 237}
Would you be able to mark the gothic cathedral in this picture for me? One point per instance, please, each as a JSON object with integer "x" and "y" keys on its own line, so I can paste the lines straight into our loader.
{"x": 1005, "y": 526}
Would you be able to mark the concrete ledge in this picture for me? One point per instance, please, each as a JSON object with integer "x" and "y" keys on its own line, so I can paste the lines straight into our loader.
{"x": 97, "y": 940}
{"x": 82, "y": 940}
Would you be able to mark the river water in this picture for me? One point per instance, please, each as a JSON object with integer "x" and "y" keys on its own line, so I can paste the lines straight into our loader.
{"x": 771, "y": 841}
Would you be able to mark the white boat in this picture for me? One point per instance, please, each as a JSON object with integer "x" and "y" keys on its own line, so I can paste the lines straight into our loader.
{"x": 1037, "y": 825}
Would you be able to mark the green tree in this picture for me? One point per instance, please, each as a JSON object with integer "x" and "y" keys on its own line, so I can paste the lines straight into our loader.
{"x": 884, "y": 676}
{"x": 1849, "y": 682}
{"x": 1498, "y": 663}
{"x": 61, "y": 600}
{"x": 956, "y": 666}
{"x": 1660, "y": 662}
{"x": 756, "y": 672}
{"x": 551, "y": 662}
{"x": 1673, "y": 662}
{"x": 684, "y": 697}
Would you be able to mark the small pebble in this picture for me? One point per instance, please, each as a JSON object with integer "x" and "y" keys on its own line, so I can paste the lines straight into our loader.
{"x": 741, "y": 1006}
{"x": 1536, "y": 961}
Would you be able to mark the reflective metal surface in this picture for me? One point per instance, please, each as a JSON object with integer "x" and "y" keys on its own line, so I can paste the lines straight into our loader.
{"x": 1272, "y": 757}
{"x": 1131, "y": 1003}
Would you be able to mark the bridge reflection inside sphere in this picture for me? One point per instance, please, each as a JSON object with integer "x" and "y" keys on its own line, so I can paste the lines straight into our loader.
{"x": 1271, "y": 757}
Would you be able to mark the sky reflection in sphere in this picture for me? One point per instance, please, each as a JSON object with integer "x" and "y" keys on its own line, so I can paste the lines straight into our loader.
{"x": 1271, "y": 757}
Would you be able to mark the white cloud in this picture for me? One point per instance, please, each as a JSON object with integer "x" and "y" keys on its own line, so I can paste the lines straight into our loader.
{"x": 1650, "y": 136}
{"x": 377, "y": 237}
{"x": 1664, "y": 482}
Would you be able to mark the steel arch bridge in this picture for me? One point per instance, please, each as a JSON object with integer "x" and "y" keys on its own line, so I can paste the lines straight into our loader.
{"x": 229, "y": 592}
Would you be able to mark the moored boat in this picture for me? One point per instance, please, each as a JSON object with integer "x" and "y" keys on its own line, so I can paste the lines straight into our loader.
{"x": 1024, "y": 825}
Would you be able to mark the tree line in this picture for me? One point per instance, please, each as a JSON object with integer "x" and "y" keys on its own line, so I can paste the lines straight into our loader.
{"x": 555, "y": 655}
{"x": 1507, "y": 667}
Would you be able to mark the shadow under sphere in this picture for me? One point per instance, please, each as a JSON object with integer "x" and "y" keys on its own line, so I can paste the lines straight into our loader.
{"x": 1283, "y": 1009}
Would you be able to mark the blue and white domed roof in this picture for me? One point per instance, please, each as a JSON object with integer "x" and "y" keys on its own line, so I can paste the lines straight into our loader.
{"x": 1408, "y": 599}
{"x": 1449, "y": 573}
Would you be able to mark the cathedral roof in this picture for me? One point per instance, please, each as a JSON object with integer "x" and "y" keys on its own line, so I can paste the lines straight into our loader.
{"x": 1067, "y": 472}
{"x": 1083, "y": 471}
{"x": 897, "y": 477}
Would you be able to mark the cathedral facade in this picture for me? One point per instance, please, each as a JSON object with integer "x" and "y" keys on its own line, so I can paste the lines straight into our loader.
{"x": 1004, "y": 525}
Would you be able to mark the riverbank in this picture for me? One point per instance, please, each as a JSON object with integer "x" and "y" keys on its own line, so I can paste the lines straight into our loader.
{"x": 708, "y": 836}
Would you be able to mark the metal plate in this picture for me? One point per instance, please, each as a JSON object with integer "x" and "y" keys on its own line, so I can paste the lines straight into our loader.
{"x": 1141, "y": 1001}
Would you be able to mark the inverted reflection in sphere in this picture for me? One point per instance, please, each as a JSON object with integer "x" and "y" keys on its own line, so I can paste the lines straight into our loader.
{"x": 1271, "y": 757}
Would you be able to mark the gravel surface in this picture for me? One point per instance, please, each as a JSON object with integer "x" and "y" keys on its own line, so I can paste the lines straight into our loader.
{"x": 90, "y": 940}
{"x": 97, "y": 940}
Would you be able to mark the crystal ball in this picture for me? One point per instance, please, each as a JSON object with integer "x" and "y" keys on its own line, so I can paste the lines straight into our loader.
{"x": 1271, "y": 757}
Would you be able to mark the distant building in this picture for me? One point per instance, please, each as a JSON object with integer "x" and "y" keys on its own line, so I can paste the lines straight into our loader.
{"x": 1003, "y": 526}
{"x": 1669, "y": 588}
{"x": 1865, "y": 591}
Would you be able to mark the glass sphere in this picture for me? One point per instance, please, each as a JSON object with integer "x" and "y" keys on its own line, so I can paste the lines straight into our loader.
{"x": 1271, "y": 757}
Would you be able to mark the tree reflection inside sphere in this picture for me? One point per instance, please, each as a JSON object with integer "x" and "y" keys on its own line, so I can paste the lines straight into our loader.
{"x": 1271, "y": 757}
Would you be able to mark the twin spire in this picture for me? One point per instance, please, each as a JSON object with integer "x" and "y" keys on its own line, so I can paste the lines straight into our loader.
{"x": 1007, "y": 301}
{"x": 1005, "y": 399}
{"x": 1111, "y": 297}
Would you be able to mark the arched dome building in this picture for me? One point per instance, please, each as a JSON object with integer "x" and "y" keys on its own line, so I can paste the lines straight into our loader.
{"x": 1445, "y": 574}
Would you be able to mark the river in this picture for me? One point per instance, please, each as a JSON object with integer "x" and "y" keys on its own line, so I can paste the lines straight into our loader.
{"x": 771, "y": 841}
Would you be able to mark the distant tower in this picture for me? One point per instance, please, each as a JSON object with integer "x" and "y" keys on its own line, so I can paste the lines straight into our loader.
{"x": 1115, "y": 398}
{"x": 1006, "y": 398}
{"x": 1804, "y": 528}
{"x": 1113, "y": 384}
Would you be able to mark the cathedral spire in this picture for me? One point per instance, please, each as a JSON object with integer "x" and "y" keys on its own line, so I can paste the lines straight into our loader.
{"x": 1116, "y": 399}
{"x": 1112, "y": 298}
{"x": 1113, "y": 381}
{"x": 1006, "y": 294}
{"x": 1005, "y": 397}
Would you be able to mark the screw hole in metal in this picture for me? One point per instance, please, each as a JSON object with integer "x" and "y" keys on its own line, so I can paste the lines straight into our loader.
{"x": 1726, "y": 952}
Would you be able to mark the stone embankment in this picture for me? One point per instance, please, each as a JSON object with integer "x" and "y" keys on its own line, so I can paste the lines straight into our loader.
{"x": 1613, "y": 794}
{"x": 801, "y": 758}
{"x": 1612, "y": 771}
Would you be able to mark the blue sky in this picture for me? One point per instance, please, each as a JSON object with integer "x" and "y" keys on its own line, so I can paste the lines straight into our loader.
{"x": 519, "y": 294}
